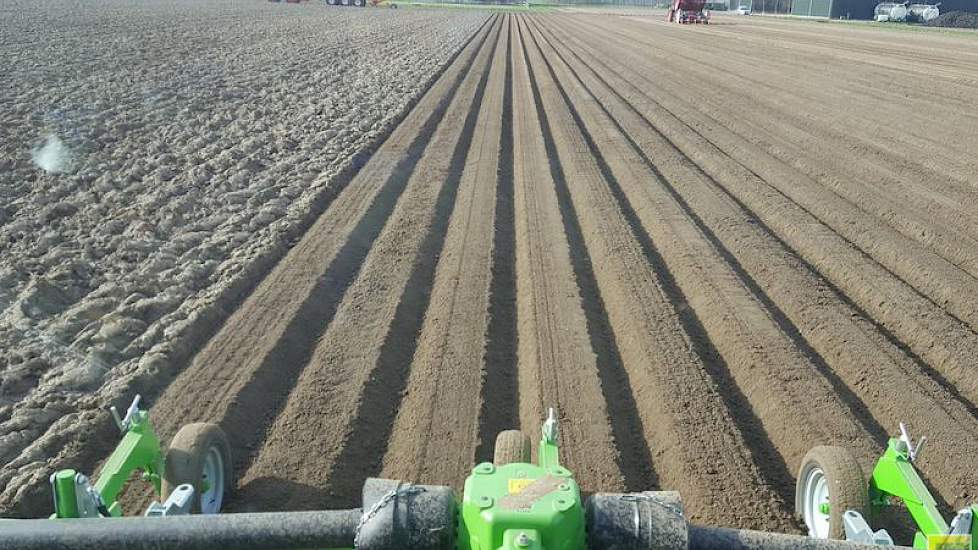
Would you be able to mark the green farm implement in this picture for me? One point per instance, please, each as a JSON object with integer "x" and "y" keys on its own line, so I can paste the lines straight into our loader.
{"x": 834, "y": 499}
{"x": 511, "y": 503}
{"x": 192, "y": 476}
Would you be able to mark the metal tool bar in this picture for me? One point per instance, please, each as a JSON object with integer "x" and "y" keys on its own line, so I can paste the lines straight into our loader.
{"x": 261, "y": 531}
{"x": 719, "y": 538}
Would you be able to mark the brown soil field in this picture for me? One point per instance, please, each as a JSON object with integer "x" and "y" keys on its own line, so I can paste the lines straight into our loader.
{"x": 152, "y": 171}
{"x": 710, "y": 248}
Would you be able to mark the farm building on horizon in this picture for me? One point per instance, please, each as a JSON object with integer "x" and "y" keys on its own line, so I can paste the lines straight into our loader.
{"x": 959, "y": 5}
{"x": 840, "y": 9}
{"x": 836, "y": 9}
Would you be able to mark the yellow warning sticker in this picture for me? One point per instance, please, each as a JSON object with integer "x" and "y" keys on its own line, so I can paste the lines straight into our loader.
{"x": 948, "y": 542}
{"x": 516, "y": 486}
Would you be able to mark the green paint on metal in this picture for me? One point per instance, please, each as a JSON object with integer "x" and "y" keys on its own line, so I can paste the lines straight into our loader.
{"x": 65, "y": 502}
{"x": 138, "y": 450}
{"x": 522, "y": 506}
{"x": 548, "y": 454}
{"x": 823, "y": 508}
{"x": 895, "y": 476}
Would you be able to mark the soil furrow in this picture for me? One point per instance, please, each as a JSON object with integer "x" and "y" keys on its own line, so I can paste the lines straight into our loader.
{"x": 352, "y": 385}
{"x": 858, "y": 82}
{"x": 647, "y": 320}
{"x": 250, "y": 366}
{"x": 559, "y": 365}
{"x": 936, "y": 337}
{"x": 500, "y": 400}
{"x": 886, "y": 177}
{"x": 898, "y": 391}
{"x": 932, "y": 275}
{"x": 727, "y": 308}
{"x": 892, "y": 140}
{"x": 427, "y": 445}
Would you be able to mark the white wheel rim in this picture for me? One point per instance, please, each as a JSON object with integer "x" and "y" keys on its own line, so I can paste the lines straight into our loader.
{"x": 816, "y": 494}
{"x": 210, "y": 500}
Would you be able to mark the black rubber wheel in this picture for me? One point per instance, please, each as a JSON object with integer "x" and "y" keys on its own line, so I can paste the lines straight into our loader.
{"x": 198, "y": 453}
{"x": 511, "y": 446}
{"x": 829, "y": 474}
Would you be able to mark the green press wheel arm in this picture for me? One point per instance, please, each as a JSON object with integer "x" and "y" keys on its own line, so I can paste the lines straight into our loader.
{"x": 138, "y": 450}
{"x": 548, "y": 454}
{"x": 895, "y": 476}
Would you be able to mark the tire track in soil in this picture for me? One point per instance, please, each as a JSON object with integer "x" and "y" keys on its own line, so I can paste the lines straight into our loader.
{"x": 252, "y": 363}
{"x": 335, "y": 425}
{"x": 428, "y": 445}
{"x": 692, "y": 461}
{"x": 838, "y": 329}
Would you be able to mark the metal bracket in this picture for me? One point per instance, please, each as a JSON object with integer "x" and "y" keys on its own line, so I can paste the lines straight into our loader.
{"x": 912, "y": 451}
{"x": 89, "y": 501}
{"x": 179, "y": 503}
{"x": 124, "y": 423}
{"x": 550, "y": 428}
{"x": 858, "y": 531}
{"x": 961, "y": 524}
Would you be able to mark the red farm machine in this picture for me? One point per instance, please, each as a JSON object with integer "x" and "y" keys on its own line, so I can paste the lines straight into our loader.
{"x": 688, "y": 11}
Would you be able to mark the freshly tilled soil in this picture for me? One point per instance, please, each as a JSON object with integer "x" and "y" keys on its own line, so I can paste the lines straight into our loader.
{"x": 680, "y": 238}
{"x": 156, "y": 160}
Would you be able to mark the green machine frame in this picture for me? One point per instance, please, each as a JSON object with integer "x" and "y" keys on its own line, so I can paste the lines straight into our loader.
{"x": 139, "y": 450}
{"x": 520, "y": 506}
{"x": 514, "y": 506}
{"x": 895, "y": 480}
{"x": 511, "y": 503}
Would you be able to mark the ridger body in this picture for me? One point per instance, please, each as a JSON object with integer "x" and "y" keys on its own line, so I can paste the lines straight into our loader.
{"x": 510, "y": 503}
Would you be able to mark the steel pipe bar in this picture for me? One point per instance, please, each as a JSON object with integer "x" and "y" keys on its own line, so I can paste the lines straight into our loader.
{"x": 253, "y": 531}
{"x": 303, "y": 530}
{"x": 719, "y": 538}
